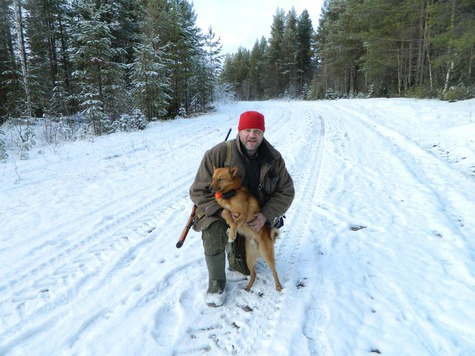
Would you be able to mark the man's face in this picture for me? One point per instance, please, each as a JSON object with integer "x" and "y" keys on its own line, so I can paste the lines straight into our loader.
{"x": 251, "y": 139}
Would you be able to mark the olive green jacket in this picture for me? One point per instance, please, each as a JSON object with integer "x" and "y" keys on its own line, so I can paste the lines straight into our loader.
{"x": 276, "y": 188}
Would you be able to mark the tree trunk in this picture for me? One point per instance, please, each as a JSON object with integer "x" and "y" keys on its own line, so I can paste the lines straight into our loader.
{"x": 399, "y": 74}
{"x": 421, "y": 46}
{"x": 53, "y": 60}
{"x": 24, "y": 64}
{"x": 450, "y": 65}
{"x": 426, "y": 45}
{"x": 431, "y": 85}
{"x": 64, "y": 56}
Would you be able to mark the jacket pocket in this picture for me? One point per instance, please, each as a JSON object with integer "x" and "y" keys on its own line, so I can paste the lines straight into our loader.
{"x": 269, "y": 184}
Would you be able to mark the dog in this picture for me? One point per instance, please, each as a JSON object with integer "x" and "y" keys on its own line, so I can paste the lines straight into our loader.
{"x": 236, "y": 199}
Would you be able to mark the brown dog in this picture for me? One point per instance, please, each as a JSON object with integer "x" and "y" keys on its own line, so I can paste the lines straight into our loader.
{"x": 236, "y": 199}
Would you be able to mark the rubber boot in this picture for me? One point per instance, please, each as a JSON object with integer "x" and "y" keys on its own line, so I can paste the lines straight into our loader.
{"x": 236, "y": 252}
{"x": 216, "y": 293}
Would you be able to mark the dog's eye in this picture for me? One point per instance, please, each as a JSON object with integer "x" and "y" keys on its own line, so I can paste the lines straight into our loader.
{"x": 220, "y": 179}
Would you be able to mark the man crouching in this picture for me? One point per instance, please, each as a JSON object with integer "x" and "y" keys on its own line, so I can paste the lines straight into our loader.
{"x": 262, "y": 170}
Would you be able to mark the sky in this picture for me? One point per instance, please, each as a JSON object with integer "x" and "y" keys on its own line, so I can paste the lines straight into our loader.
{"x": 376, "y": 256}
{"x": 241, "y": 23}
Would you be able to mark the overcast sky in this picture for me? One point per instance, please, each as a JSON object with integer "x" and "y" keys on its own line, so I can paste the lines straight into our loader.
{"x": 241, "y": 23}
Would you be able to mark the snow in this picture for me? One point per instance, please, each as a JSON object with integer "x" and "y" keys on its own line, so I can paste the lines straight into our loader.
{"x": 377, "y": 253}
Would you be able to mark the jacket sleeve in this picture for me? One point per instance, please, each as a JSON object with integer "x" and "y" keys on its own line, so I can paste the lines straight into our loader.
{"x": 200, "y": 192}
{"x": 281, "y": 197}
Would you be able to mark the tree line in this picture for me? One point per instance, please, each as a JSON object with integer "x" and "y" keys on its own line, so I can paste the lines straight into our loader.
{"x": 103, "y": 58}
{"x": 417, "y": 48}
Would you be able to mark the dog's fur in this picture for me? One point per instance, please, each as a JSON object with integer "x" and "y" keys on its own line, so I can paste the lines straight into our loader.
{"x": 246, "y": 206}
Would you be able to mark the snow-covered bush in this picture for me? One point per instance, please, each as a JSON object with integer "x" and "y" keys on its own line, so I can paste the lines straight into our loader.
{"x": 23, "y": 136}
{"x": 224, "y": 93}
{"x": 455, "y": 93}
{"x": 182, "y": 111}
{"x": 3, "y": 149}
{"x": 130, "y": 122}
{"x": 94, "y": 114}
{"x": 55, "y": 130}
{"x": 331, "y": 94}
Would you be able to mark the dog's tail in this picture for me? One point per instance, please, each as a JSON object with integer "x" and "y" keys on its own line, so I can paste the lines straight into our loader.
{"x": 274, "y": 233}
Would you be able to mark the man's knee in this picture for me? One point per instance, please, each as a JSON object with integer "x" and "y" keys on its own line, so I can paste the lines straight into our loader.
{"x": 215, "y": 238}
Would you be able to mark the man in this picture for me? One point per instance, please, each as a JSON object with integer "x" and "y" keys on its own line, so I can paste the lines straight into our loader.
{"x": 262, "y": 170}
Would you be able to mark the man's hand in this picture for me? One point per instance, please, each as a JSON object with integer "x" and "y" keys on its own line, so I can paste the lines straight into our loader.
{"x": 258, "y": 222}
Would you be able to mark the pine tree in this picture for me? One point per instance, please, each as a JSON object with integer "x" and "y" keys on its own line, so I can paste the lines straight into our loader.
{"x": 99, "y": 78}
{"x": 274, "y": 55}
{"x": 228, "y": 74}
{"x": 127, "y": 33}
{"x": 184, "y": 50}
{"x": 210, "y": 62}
{"x": 257, "y": 65}
{"x": 452, "y": 28}
{"x": 150, "y": 79}
{"x": 45, "y": 38}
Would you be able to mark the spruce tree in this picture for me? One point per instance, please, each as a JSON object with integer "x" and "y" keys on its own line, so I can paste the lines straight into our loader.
{"x": 289, "y": 55}
{"x": 257, "y": 65}
{"x": 274, "y": 55}
{"x": 452, "y": 29}
{"x": 208, "y": 63}
{"x": 150, "y": 79}
{"x": 304, "y": 51}
{"x": 45, "y": 38}
{"x": 99, "y": 78}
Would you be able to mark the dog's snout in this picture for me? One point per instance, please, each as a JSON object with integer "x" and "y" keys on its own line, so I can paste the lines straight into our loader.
{"x": 213, "y": 187}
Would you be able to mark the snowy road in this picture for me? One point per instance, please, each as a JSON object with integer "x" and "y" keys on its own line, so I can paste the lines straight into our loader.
{"x": 377, "y": 253}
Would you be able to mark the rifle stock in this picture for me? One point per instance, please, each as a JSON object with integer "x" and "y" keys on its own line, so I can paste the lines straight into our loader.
{"x": 189, "y": 224}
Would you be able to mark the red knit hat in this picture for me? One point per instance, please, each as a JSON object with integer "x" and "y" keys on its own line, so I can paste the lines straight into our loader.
{"x": 251, "y": 120}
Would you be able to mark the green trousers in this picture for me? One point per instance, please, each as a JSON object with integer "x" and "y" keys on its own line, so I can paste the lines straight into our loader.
{"x": 215, "y": 241}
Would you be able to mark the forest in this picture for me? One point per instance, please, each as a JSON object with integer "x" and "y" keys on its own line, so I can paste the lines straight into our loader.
{"x": 127, "y": 62}
{"x": 362, "y": 48}
{"x": 102, "y": 59}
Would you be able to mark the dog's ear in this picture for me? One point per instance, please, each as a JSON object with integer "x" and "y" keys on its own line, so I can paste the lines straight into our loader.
{"x": 233, "y": 171}
{"x": 214, "y": 167}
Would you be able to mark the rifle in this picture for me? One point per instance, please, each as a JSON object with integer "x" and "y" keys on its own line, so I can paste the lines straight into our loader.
{"x": 192, "y": 218}
{"x": 189, "y": 224}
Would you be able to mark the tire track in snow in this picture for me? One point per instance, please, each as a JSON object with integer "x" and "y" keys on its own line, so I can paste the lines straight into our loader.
{"x": 416, "y": 183}
{"x": 87, "y": 262}
{"x": 294, "y": 258}
{"x": 45, "y": 288}
{"x": 409, "y": 154}
{"x": 77, "y": 266}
